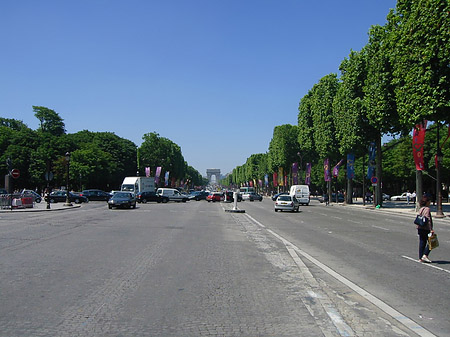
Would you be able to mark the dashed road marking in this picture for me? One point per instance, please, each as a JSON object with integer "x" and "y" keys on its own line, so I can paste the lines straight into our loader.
{"x": 385, "y": 229}
{"x": 399, "y": 317}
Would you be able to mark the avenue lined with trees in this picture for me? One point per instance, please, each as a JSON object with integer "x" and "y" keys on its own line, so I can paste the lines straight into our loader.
{"x": 97, "y": 159}
{"x": 396, "y": 82}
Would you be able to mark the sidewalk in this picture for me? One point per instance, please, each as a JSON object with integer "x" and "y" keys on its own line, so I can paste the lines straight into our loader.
{"x": 400, "y": 207}
{"x": 42, "y": 207}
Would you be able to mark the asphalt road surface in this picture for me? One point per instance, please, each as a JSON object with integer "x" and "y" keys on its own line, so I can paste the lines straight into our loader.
{"x": 192, "y": 269}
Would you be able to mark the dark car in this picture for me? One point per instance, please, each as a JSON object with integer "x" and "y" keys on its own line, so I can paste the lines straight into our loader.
{"x": 144, "y": 197}
{"x": 122, "y": 200}
{"x": 275, "y": 197}
{"x": 30, "y": 193}
{"x": 60, "y": 196}
{"x": 230, "y": 196}
{"x": 96, "y": 195}
{"x": 252, "y": 196}
{"x": 324, "y": 197}
{"x": 198, "y": 195}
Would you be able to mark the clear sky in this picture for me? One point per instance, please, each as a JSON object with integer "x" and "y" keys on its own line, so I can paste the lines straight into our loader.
{"x": 215, "y": 77}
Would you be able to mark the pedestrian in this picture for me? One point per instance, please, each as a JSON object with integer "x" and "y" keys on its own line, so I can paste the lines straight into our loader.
{"x": 408, "y": 196}
{"x": 327, "y": 199}
{"x": 413, "y": 197}
{"x": 423, "y": 231}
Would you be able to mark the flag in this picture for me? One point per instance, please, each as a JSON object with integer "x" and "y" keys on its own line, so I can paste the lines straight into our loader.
{"x": 417, "y": 144}
{"x": 157, "y": 174}
{"x": 326, "y": 170}
{"x": 308, "y": 174}
{"x": 275, "y": 179}
{"x": 166, "y": 178}
{"x": 336, "y": 168}
{"x": 147, "y": 172}
{"x": 266, "y": 180}
{"x": 295, "y": 173}
{"x": 350, "y": 166}
{"x": 372, "y": 163}
{"x": 280, "y": 176}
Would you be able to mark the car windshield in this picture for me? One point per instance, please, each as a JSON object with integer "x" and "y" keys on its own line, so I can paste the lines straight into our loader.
{"x": 284, "y": 198}
{"x": 122, "y": 195}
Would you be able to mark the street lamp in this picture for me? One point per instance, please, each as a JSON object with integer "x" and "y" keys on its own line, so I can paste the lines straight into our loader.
{"x": 439, "y": 160}
{"x": 67, "y": 180}
{"x": 300, "y": 168}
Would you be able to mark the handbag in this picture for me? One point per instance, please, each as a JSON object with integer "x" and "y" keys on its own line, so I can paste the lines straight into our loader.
{"x": 421, "y": 220}
{"x": 433, "y": 241}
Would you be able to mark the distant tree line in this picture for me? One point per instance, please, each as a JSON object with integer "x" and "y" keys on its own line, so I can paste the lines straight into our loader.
{"x": 97, "y": 159}
{"x": 398, "y": 80}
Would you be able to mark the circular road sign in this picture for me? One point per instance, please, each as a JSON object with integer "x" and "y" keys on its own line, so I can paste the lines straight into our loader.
{"x": 15, "y": 173}
{"x": 374, "y": 180}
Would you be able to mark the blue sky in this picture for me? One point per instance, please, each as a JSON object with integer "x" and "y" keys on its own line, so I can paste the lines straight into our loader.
{"x": 215, "y": 77}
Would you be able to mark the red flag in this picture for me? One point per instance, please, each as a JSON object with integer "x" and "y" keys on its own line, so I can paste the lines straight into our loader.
{"x": 275, "y": 179}
{"x": 417, "y": 144}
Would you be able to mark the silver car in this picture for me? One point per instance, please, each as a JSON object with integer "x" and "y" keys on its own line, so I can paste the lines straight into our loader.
{"x": 286, "y": 203}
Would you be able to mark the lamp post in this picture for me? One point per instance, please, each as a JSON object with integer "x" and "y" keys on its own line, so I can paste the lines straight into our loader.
{"x": 67, "y": 180}
{"x": 300, "y": 167}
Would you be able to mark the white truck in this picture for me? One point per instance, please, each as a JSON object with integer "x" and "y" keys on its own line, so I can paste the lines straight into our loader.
{"x": 301, "y": 193}
{"x": 138, "y": 185}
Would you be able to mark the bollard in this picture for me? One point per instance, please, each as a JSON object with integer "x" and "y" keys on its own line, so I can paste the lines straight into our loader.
{"x": 235, "y": 208}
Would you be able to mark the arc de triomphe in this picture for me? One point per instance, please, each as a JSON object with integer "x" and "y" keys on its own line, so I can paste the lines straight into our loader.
{"x": 213, "y": 172}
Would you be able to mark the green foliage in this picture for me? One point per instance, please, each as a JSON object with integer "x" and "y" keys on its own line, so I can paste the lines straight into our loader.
{"x": 50, "y": 121}
{"x": 283, "y": 147}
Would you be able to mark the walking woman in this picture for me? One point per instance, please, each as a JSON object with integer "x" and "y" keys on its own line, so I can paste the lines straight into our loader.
{"x": 423, "y": 231}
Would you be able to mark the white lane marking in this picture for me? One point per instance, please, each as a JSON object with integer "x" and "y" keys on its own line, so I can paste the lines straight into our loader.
{"x": 426, "y": 264}
{"x": 402, "y": 319}
{"x": 385, "y": 229}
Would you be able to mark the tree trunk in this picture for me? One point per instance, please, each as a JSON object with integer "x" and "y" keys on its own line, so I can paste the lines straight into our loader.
{"x": 378, "y": 190}
{"x": 419, "y": 188}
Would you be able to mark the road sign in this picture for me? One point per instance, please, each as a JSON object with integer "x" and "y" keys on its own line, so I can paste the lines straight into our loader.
{"x": 374, "y": 181}
{"x": 15, "y": 173}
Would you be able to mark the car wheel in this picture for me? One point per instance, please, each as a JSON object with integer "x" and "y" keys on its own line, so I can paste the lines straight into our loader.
{"x": 134, "y": 206}
{"x": 144, "y": 201}
{"x": 77, "y": 201}
{"x": 184, "y": 200}
{"x": 165, "y": 200}
{"x": 38, "y": 200}
{"x": 109, "y": 206}
{"x": 52, "y": 201}
{"x": 276, "y": 210}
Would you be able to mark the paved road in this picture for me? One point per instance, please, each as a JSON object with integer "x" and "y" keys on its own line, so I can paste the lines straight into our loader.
{"x": 191, "y": 269}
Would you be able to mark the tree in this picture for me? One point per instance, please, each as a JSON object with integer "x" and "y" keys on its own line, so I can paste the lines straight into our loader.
{"x": 50, "y": 121}
{"x": 283, "y": 147}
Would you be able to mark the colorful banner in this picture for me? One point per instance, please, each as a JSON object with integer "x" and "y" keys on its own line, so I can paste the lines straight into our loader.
{"x": 372, "y": 162}
{"x": 147, "y": 172}
{"x": 295, "y": 173}
{"x": 417, "y": 145}
{"x": 326, "y": 170}
{"x": 308, "y": 174}
{"x": 157, "y": 175}
{"x": 336, "y": 168}
{"x": 266, "y": 180}
{"x": 166, "y": 178}
{"x": 275, "y": 179}
{"x": 280, "y": 177}
{"x": 350, "y": 166}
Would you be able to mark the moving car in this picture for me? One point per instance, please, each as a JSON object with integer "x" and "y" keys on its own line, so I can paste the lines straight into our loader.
{"x": 301, "y": 193}
{"x": 173, "y": 194}
{"x": 60, "y": 196}
{"x": 274, "y": 198}
{"x": 252, "y": 196}
{"x": 215, "y": 196}
{"x": 122, "y": 200}
{"x": 198, "y": 195}
{"x": 144, "y": 197}
{"x": 286, "y": 203}
{"x": 96, "y": 195}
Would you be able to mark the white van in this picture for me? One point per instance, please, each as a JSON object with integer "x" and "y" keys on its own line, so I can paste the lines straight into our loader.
{"x": 173, "y": 194}
{"x": 301, "y": 193}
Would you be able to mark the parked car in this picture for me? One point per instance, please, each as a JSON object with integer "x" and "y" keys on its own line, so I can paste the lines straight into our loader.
{"x": 60, "y": 196}
{"x": 286, "y": 202}
{"x": 122, "y": 200}
{"x": 30, "y": 193}
{"x": 215, "y": 196}
{"x": 401, "y": 197}
{"x": 173, "y": 194}
{"x": 144, "y": 197}
{"x": 275, "y": 197}
{"x": 3, "y": 191}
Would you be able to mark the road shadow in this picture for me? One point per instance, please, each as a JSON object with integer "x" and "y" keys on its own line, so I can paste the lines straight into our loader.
{"x": 441, "y": 262}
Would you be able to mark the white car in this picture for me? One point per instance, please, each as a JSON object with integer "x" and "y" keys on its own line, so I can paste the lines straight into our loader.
{"x": 286, "y": 203}
{"x": 401, "y": 197}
